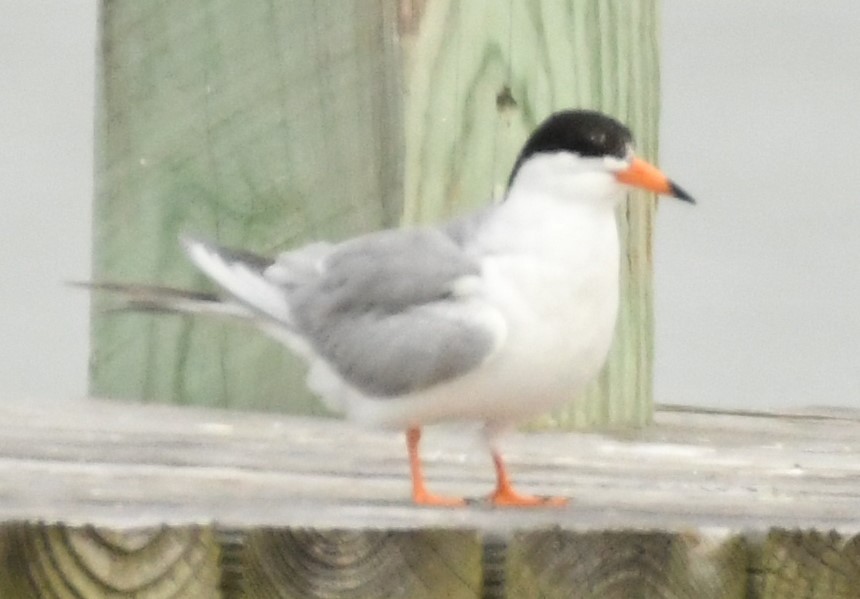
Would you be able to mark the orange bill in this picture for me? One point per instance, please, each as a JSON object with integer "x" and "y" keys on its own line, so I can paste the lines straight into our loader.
{"x": 647, "y": 176}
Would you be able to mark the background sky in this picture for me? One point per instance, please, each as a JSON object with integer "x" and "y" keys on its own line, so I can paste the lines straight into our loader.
{"x": 757, "y": 287}
{"x": 47, "y": 66}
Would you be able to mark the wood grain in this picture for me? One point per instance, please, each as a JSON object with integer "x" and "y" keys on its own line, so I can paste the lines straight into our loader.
{"x": 105, "y": 499}
{"x": 809, "y": 563}
{"x": 261, "y": 124}
{"x": 112, "y": 464}
{"x": 327, "y": 564}
{"x": 607, "y": 565}
{"x": 73, "y": 562}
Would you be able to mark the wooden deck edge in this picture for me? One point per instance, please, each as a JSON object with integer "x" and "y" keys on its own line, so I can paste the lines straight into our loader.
{"x": 191, "y": 561}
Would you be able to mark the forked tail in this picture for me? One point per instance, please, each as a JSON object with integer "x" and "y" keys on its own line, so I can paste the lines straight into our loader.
{"x": 159, "y": 299}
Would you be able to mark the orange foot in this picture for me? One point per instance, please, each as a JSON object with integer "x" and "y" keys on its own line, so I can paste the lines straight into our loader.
{"x": 507, "y": 497}
{"x": 424, "y": 497}
{"x": 420, "y": 494}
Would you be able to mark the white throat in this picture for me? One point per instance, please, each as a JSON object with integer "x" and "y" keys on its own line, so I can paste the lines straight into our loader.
{"x": 550, "y": 258}
{"x": 569, "y": 178}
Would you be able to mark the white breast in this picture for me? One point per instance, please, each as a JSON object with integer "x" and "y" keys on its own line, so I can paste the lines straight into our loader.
{"x": 556, "y": 282}
{"x": 551, "y": 271}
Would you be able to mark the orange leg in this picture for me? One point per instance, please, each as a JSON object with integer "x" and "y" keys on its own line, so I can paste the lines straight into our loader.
{"x": 505, "y": 495}
{"x": 420, "y": 494}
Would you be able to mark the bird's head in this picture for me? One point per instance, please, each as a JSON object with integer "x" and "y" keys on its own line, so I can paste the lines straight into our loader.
{"x": 585, "y": 156}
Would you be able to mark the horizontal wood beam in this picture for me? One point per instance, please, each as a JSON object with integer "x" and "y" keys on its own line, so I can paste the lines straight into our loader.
{"x": 185, "y": 562}
{"x": 131, "y": 465}
{"x": 106, "y": 499}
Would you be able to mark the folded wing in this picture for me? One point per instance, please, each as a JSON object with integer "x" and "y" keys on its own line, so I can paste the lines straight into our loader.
{"x": 389, "y": 313}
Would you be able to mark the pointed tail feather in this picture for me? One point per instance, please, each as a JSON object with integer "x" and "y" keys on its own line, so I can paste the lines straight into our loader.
{"x": 154, "y": 298}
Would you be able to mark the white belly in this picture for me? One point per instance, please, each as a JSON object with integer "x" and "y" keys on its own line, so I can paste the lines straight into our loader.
{"x": 560, "y": 328}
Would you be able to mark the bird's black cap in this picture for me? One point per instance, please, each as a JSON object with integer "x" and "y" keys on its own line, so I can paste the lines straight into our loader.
{"x": 582, "y": 132}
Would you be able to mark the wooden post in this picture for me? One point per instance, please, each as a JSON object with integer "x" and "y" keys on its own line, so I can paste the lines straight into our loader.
{"x": 268, "y": 124}
{"x": 264, "y": 124}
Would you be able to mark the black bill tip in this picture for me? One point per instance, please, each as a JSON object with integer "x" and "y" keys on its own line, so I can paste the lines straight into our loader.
{"x": 679, "y": 193}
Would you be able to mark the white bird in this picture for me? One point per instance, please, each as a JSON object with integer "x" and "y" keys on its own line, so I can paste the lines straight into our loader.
{"x": 494, "y": 317}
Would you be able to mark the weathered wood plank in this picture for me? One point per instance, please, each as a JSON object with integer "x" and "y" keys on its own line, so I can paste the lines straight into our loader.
{"x": 808, "y": 564}
{"x": 700, "y": 505}
{"x": 310, "y": 564}
{"x": 68, "y": 563}
{"x": 125, "y": 465}
{"x": 39, "y": 561}
{"x": 623, "y": 564}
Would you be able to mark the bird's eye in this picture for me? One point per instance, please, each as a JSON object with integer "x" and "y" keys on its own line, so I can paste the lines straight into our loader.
{"x": 598, "y": 138}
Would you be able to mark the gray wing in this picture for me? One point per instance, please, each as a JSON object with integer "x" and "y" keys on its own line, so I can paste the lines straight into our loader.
{"x": 388, "y": 313}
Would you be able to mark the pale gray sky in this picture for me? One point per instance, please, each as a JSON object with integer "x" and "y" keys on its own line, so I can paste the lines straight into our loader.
{"x": 47, "y": 55}
{"x": 757, "y": 287}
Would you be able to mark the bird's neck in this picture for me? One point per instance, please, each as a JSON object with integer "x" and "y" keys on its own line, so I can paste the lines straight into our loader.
{"x": 567, "y": 179}
{"x": 556, "y": 227}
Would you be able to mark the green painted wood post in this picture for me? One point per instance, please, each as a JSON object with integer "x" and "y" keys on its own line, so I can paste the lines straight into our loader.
{"x": 259, "y": 124}
{"x": 268, "y": 124}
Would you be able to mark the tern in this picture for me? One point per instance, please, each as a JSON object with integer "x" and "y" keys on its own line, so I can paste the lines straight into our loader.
{"x": 494, "y": 317}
